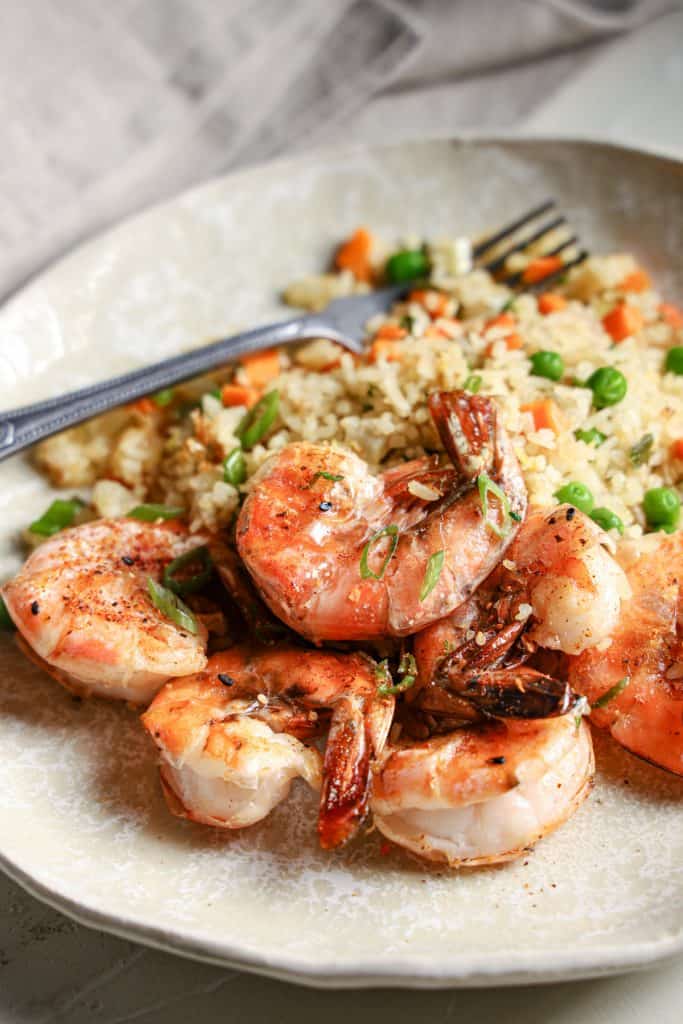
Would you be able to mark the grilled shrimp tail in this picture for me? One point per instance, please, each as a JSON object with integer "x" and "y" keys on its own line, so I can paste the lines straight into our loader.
{"x": 519, "y": 692}
{"x": 346, "y": 775}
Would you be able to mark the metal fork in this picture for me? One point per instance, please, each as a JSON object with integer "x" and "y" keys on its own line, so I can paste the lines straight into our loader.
{"x": 343, "y": 321}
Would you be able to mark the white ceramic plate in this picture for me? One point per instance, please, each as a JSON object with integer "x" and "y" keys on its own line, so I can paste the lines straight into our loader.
{"x": 82, "y": 822}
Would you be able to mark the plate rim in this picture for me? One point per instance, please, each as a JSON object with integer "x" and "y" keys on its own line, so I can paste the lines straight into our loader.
{"x": 504, "y": 968}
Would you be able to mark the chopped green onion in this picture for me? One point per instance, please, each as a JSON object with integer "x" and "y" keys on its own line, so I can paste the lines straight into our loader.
{"x": 473, "y": 383}
{"x": 640, "y": 451}
{"x": 332, "y": 477}
{"x": 407, "y": 322}
{"x": 592, "y": 436}
{"x": 215, "y": 393}
{"x": 508, "y": 304}
{"x": 407, "y": 673}
{"x": 607, "y": 519}
{"x": 407, "y": 265}
{"x": 58, "y": 516}
{"x": 5, "y": 617}
{"x": 365, "y": 570}
{"x": 193, "y": 583}
{"x": 613, "y": 692}
{"x": 515, "y": 515}
{"x": 258, "y": 421}
{"x": 577, "y": 494}
{"x": 170, "y": 605}
{"x": 235, "y": 467}
{"x": 163, "y": 397}
{"x": 432, "y": 573}
{"x": 150, "y": 513}
{"x": 487, "y": 486}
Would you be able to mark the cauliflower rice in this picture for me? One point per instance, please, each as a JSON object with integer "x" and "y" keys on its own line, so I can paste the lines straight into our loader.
{"x": 172, "y": 451}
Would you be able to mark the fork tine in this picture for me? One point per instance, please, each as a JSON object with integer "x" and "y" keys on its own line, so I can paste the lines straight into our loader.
{"x": 499, "y": 261}
{"x": 514, "y": 279}
{"x": 487, "y": 243}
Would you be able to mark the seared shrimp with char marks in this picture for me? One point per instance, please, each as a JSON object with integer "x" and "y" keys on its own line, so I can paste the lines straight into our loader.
{"x": 340, "y": 554}
{"x": 635, "y": 685}
{"x": 83, "y": 610}
{"x": 230, "y": 737}
{"x": 557, "y": 588}
{"x": 483, "y": 793}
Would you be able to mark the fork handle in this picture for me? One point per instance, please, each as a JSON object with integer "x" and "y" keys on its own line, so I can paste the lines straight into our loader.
{"x": 22, "y": 427}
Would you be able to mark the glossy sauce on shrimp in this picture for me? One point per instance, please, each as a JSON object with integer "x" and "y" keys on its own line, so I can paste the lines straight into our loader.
{"x": 340, "y": 554}
{"x": 230, "y": 737}
{"x": 635, "y": 684}
{"x": 82, "y": 607}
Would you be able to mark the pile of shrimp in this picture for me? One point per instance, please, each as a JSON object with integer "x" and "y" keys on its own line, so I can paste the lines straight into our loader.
{"x": 419, "y": 647}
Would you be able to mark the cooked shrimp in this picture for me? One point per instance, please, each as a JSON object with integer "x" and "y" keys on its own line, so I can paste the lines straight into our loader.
{"x": 484, "y": 793}
{"x": 635, "y": 685}
{"x": 340, "y": 554}
{"x": 83, "y": 610}
{"x": 558, "y": 588}
{"x": 230, "y": 737}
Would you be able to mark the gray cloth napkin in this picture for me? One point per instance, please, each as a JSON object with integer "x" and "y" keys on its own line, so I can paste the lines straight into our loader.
{"x": 107, "y": 107}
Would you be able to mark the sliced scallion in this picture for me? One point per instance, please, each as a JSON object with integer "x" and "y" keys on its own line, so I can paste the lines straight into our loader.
{"x": 333, "y": 477}
{"x": 170, "y": 605}
{"x": 5, "y": 617}
{"x": 365, "y": 570}
{"x": 163, "y": 397}
{"x": 258, "y": 421}
{"x": 432, "y": 573}
{"x": 486, "y": 487}
{"x": 640, "y": 451}
{"x": 58, "y": 516}
{"x": 613, "y": 692}
{"x": 407, "y": 674}
{"x": 149, "y": 513}
{"x": 235, "y": 467}
{"x": 473, "y": 383}
{"x": 190, "y": 584}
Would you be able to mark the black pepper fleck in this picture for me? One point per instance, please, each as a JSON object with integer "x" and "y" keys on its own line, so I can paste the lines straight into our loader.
{"x": 497, "y": 760}
{"x": 325, "y": 506}
{"x": 127, "y": 560}
{"x": 226, "y": 679}
{"x": 35, "y": 608}
{"x": 571, "y": 512}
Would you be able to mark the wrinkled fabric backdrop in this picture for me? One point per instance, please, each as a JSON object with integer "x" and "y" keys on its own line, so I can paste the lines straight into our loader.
{"x": 107, "y": 107}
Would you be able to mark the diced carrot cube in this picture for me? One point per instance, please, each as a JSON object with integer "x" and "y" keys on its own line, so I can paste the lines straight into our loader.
{"x": 677, "y": 449}
{"x": 637, "y": 281}
{"x": 545, "y": 414}
{"x": 623, "y": 321}
{"x": 502, "y": 320}
{"x": 512, "y": 342}
{"x": 671, "y": 314}
{"x": 235, "y": 394}
{"x": 434, "y": 302}
{"x": 390, "y": 332}
{"x": 384, "y": 348}
{"x": 261, "y": 367}
{"x": 354, "y": 255}
{"x": 551, "y": 302}
{"x": 540, "y": 268}
{"x": 145, "y": 406}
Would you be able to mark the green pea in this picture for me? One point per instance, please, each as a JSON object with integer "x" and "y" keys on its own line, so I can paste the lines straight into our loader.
{"x": 608, "y": 385}
{"x": 592, "y": 436}
{"x": 407, "y": 265}
{"x": 674, "y": 360}
{"x": 662, "y": 508}
{"x": 576, "y": 494}
{"x": 607, "y": 519}
{"x": 547, "y": 364}
{"x": 163, "y": 397}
